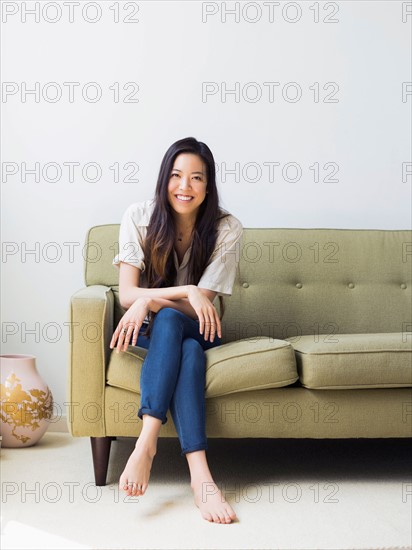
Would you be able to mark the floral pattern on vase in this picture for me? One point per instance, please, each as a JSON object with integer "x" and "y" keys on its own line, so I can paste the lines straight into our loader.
{"x": 26, "y": 402}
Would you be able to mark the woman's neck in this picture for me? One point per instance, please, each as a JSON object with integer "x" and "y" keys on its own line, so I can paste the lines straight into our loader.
{"x": 184, "y": 225}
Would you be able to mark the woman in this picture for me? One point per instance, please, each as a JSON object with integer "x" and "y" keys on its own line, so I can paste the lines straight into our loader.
{"x": 176, "y": 252}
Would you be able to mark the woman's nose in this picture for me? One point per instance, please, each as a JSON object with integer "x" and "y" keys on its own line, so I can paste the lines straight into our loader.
{"x": 184, "y": 183}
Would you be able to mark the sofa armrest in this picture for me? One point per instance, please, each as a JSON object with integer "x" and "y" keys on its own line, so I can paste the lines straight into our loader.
{"x": 91, "y": 328}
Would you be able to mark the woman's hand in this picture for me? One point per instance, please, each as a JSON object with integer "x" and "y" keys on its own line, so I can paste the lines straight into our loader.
{"x": 206, "y": 312}
{"x": 131, "y": 322}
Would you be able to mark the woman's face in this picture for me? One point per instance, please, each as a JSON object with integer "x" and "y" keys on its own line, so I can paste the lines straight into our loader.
{"x": 187, "y": 179}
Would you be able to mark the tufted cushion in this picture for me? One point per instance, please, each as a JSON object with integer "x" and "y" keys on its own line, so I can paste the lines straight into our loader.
{"x": 248, "y": 364}
{"x": 354, "y": 361}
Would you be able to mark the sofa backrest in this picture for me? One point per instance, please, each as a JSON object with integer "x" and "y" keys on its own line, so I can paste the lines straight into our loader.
{"x": 293, "y": 282}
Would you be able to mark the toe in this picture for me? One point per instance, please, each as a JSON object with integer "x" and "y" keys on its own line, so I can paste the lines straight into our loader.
{"x": 125, "y": 487}
{"x": 231, "y": 514}
{"x": 222, "y": 517}
{"x": 216, "y": 518}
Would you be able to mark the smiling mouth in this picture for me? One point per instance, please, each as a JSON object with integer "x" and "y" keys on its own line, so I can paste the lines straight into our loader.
{"x": 188, "y": 199}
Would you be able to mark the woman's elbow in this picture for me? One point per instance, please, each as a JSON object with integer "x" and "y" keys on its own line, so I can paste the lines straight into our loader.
{"x": 123, "y": 304}
{"x": 124, "y": 300}
{"x": 129, "y": 296}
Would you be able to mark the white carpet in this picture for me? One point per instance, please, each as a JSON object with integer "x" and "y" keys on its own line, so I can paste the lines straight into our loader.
{"x": 288, "y": 494}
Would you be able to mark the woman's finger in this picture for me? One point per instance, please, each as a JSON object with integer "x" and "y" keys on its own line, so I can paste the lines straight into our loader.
{"x": 120, "y": 340}
{"x": 126, "y": 341}
{"x": 218, "y": 325}
{"x": 135, "y": 335}
{"x": 128, "y": 328}
{"x": 206, "y": 332}
{"x": 212, "y": 329}
{"x": 129, "y": 334}
{"x": 208, "y": 322}
{"x": 121, "y": 336}
{"x": 205, "y": 321}
{"x": 111, "y": 341}
{"x": 126, "y": 333}
{"x": 114, "y": 338}
{"x": 214, "y": 324}
{"x": 201, "y": 321}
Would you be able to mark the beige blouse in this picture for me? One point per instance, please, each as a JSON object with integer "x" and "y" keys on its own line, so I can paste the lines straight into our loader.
{"x": 220, "y": 271}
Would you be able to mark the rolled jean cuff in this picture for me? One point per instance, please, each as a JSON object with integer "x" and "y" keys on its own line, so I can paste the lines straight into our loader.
{"x": 200, "y": 447}
{"x": 151, "y": 412}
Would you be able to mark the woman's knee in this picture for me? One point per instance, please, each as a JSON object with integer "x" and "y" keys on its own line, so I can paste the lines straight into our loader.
{"x": 192, "y": 350}
{"x": 169, "y": 315}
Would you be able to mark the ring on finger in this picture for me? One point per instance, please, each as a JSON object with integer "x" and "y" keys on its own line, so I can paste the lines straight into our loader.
{"x": 126, "y": 329}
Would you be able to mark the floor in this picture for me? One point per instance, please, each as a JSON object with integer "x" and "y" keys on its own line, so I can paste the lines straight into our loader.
{"x": 288, "y": 494}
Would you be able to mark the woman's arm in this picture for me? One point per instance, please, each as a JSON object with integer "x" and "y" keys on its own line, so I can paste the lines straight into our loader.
{"x": 175, "y": 296}
{"x": 189, "y": 299}
{"x": 182, "y": 304}
{"x": 129, "y": 290}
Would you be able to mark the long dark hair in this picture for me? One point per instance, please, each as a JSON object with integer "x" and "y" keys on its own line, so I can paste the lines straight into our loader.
{"x": 161, "y": 231}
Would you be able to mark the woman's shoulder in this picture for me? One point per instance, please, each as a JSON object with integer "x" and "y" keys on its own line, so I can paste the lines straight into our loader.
{"x": 140, "y": 212}
{"x": 228, "y": 221}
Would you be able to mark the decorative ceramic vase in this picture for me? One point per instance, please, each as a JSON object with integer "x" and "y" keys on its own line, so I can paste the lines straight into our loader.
{"x": 26, "y": 402}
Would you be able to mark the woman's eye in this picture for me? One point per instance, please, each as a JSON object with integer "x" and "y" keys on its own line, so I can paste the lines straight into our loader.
{"x": 174, "y": 175}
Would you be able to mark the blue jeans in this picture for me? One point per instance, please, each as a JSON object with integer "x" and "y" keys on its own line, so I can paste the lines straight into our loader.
{"x": 173, "y": 375}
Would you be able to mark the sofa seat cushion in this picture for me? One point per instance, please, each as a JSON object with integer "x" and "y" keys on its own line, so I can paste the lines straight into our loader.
{"x": 125, "y": 367}
{"x": 354, "y": 361}
{"x": 249, "y": 364}
{"x": 243, "y": 365}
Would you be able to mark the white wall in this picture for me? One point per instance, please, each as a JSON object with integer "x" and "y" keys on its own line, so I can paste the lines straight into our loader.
{"x": 173, "y": 49}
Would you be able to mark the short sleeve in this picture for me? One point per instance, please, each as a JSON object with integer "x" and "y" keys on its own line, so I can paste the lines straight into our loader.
{"x": 220, "y": 273}
{"x": 130, "y": 241}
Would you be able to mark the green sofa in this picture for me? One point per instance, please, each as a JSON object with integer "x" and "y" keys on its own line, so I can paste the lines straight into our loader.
{"x": 316, "y": 342}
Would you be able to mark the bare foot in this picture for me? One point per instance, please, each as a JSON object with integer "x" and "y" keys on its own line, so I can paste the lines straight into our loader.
{"x": 211, "y": 502}
{"x": 135, "y": 477}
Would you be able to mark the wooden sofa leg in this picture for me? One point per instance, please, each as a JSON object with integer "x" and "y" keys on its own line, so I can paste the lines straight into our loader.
{"x": 101, "y": 453}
